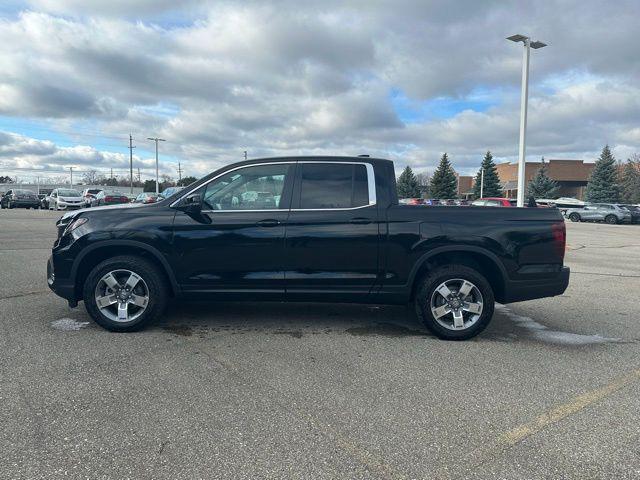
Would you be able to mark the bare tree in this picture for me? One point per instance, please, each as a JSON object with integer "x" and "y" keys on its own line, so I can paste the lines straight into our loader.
{"x": 90, "y": 177}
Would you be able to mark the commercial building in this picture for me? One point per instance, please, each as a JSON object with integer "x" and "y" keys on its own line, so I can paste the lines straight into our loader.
{"x": 572, "y": 176}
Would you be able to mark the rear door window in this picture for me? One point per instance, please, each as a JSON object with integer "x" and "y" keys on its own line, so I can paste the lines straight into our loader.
{"x": 325, "y": 186}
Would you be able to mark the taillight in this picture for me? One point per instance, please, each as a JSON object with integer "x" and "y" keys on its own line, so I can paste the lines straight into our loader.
{"x": 559, "y": 238}
{"x": 108, "y": 199}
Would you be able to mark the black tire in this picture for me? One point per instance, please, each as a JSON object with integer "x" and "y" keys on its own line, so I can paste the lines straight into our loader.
{"x": 611, "y": 219}
{"x": 427, "y": 287}
{"x": 153, "y": 279}
{"x": 574, "y": 217}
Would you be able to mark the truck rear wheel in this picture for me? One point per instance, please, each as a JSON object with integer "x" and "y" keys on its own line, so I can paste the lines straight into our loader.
{"x": 454, "y": 302}
{"x": 125, "y": 293}
{"x": 574, "y": 217}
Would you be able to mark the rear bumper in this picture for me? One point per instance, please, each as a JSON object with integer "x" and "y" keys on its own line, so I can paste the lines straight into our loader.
{"x": 519, "y": 291}
{"x": 25, "y": 203}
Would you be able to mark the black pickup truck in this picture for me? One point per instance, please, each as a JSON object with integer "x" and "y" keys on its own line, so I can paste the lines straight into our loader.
{"x": 308, "y": 229}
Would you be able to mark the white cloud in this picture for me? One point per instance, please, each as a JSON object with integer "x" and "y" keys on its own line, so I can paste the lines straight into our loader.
{"x": 218, "y": 78}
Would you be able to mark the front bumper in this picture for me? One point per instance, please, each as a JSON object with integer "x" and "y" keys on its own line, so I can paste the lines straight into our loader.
{"x": 62, "y": 288}
{"x": 519, "y": 291}
{"x": 70, "y": 206}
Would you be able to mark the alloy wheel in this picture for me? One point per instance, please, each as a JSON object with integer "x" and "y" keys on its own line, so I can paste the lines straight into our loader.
{"x": 456, "y": 304}
{"x": 122, "y": 295}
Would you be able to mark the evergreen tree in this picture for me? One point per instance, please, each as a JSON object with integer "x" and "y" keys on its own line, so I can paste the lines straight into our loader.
{"x": 186, "y": 181}
{"x": 630, "y": 181}
{"x": 492, "y": 187}
{"x": 444, "y": 182}
{"x": 542, "y": 186}
{"x": 149, "y": 186}
{"x": 408, "y": 184}
{"x": 603, "y": 184}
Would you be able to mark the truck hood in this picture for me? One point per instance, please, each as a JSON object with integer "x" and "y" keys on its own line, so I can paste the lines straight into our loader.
{"x": 121, "y": 206}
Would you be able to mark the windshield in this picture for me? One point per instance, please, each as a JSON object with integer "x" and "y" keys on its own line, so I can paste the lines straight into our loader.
{"x": 24, "y": 192}
{"x": 69, "y": 193}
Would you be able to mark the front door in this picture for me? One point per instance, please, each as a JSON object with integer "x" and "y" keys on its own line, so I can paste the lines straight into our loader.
{"x": 332, "y": 232}
{"x": 234, "y": 249}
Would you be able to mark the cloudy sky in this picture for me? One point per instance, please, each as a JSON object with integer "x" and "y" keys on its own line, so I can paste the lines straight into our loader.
{"x": 405, "y": 80}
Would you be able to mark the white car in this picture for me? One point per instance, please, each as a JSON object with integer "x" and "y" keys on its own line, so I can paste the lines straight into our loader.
{"x": 65, "y": 199}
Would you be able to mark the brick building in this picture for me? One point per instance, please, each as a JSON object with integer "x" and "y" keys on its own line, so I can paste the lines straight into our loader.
{"x": 465, "y": 186}
{"x": 572, "y": 176}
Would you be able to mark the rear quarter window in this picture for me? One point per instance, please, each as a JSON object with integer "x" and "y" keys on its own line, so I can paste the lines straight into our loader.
{"x": 333, "y": 185}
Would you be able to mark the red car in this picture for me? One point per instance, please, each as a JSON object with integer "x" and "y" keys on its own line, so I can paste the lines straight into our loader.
{"x": 412, "y": 201}
{"x": 494, "y": 202}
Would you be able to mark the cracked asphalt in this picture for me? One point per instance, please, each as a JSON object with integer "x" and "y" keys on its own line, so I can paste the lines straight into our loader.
{"x": 550, "y": 390}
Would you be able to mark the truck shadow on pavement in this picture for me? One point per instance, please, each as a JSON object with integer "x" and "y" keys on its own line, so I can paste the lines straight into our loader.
{"x": 297, "y": 320}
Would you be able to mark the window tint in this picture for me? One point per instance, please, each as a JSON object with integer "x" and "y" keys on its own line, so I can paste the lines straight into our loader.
{"x": 252, "y": 188}
{"x": 493, "y": 203}
{"x": 333, "y": 185}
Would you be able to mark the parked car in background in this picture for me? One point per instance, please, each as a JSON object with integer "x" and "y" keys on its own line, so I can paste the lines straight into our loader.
{"x": 494, "y": 202}
{"x": 411, "y": 201}
{"x": 167, "y": 192}
{"x": 109, "y": 197}
{"x": 20, "y": 198}
{"x": 89, "y": 194}
{"x": 147, "y": 197}
{"x": 634, "y": 210}
{"x": 65, "y": 198}
{"x": 432, "y": 202}
{"x": 599, "y": 212}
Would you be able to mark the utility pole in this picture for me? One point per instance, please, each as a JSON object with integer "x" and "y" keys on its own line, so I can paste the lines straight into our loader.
{"x": 179, "y": 173}
{"x": 131, "y": 147}
{"x": 156, "y": 139}
{"x": 71, "y": 174}
{"x": 482, "y": 183}
{"x": 524, "y": 99}
{"x": 38, "y": 184}
{"x": 139, "y": 177}
{"x": 111, "y": 176}
{"x": 245, "y": 154}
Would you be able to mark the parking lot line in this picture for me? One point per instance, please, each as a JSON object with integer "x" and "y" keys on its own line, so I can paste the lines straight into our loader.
{"x": 573, "y": 406}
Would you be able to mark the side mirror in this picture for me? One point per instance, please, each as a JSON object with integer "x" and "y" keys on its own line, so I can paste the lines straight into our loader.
{"x": 192, "y": 203}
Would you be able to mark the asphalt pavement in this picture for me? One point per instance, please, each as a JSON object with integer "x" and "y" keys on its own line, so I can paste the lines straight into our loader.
{"x": 222, "y": 390}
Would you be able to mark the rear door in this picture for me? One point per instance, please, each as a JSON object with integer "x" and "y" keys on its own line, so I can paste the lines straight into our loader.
{"x": 332, "y": 232}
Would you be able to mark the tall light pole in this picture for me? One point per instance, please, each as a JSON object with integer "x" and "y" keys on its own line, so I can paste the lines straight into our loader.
{"x": 524, "y": 100}
{"x": 156, "y": 139}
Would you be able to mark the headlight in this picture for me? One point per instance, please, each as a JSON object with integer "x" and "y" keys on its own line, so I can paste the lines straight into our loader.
{"x": 75, "y": 224}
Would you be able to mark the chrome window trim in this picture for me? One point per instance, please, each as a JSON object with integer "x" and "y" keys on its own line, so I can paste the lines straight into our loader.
{"x": 371, "y": 184}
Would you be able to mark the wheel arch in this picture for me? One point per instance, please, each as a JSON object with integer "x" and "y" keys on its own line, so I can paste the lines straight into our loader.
{"x": 484, "y": 261}
{"x": 96, "y": 253}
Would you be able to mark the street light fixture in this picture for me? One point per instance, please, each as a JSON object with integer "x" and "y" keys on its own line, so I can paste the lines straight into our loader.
{"x": 524, "y": 99}
{"x": 156, "y": 139}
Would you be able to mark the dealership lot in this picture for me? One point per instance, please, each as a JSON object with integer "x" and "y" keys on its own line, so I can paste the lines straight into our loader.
{"x": 322, "y": 391}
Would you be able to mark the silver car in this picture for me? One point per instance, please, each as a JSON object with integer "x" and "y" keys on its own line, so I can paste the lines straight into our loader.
{"x": 65, "y": 199}
{"x": 599, "y": 212}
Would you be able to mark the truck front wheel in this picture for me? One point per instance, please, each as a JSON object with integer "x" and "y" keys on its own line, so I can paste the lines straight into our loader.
{"x": 125, "y": 293}
{"x": 454, "y": 302}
